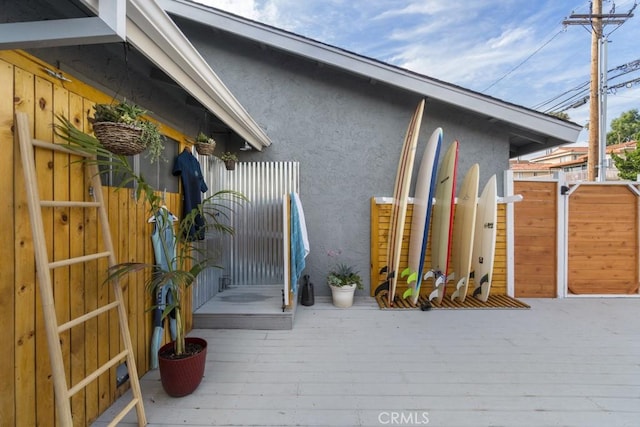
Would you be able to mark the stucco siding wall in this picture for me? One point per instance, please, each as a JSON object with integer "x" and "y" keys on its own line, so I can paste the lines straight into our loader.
{"x": 345, "y": 131}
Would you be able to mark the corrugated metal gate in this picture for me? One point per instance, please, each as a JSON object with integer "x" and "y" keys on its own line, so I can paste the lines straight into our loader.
{"x": 254, "y": 255}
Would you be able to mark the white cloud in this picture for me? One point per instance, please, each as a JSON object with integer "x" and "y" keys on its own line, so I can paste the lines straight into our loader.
{"x": 517, "y": 43}
{"x": 245, "y": 8}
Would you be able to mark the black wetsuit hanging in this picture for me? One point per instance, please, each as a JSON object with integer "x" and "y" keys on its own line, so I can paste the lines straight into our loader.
{"x": 188, "y": 167}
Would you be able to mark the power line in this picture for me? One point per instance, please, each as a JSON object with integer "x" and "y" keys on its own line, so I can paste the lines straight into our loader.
{"x": 578, "y": 99}
{"x": 524, "y": 61}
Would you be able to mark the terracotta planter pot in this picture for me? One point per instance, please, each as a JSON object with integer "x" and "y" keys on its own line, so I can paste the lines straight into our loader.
{"x": 181, "y": 377}
{"x": 343, "y": 295}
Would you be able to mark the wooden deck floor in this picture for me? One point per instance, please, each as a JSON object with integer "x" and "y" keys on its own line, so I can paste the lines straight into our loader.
{"x": 564, "y": 362}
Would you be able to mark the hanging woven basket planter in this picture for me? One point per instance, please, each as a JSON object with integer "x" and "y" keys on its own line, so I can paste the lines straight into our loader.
{"x": 119, "y": 138}
{"x": 206, "y": 148}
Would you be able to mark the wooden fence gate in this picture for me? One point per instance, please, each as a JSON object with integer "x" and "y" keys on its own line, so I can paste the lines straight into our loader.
{"x": 576, "y": 239}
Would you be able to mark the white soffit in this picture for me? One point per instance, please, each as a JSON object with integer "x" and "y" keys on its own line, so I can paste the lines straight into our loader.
{"x": 157, "y": 37}
{"x": 376, "y": 70}
{"x": 107, "y": 27}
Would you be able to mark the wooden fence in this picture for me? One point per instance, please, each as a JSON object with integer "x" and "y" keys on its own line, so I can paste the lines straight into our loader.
{"x": 380, "y": 219}
{"x": 576, "y": 239}
{"x": 26, "y": 385}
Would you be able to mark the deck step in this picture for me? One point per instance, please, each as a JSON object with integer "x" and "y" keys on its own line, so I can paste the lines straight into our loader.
{"x": 257, "y": 307}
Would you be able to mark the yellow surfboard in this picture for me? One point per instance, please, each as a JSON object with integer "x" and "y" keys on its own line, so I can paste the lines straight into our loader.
{"x": 464, "y": 224}
{"x": 442, "y": 221}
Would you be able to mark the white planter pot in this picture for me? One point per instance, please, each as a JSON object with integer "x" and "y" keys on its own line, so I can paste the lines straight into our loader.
{"x": 343, "y": 295}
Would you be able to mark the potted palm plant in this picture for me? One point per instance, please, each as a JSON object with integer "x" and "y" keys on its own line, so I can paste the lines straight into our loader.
{"x": 181, "y": 362}
{"x": 121, "y": 129}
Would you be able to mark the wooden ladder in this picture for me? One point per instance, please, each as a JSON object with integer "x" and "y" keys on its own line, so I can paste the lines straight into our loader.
{"x": 63, "y": 392}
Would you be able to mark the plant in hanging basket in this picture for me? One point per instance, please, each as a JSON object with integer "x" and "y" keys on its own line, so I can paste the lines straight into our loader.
{"x": 229, "y": 160}
{"x": 205, "y": 145}
{"x": 121, "y": 129}
{"x": 183, "y": 260}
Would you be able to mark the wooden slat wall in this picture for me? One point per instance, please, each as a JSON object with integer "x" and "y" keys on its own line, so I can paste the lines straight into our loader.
{"x": 26, "y": 387}
{"x": 603, "y": 240}
{"x": 380, "y": 219}
{"x": 535, "y": 237}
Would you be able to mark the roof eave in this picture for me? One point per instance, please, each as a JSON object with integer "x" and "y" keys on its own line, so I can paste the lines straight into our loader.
{"x": 157, "y": 37}
{"x": 376, "y": 70}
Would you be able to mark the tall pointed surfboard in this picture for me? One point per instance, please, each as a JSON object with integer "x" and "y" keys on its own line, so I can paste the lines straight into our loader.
{"x": 484, "y": 246}
{"x": 422, "y": 205}
{"x": 464, "y": 224}
{"x": 399, "y": 205}
{"x": 442, "y": 221}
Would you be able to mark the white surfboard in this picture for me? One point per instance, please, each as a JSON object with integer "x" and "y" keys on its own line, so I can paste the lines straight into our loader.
{"x": 463, "y": 233}
{"x": 484, "y": 247}
{"x": 442, "y": 221}
{"x": 422, "y": 205}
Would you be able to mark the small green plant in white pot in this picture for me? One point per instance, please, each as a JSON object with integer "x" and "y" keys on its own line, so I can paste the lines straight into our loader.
{"x": 343, "y": 280}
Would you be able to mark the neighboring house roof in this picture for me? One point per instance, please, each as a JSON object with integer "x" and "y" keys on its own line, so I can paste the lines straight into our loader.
{"x": 520, "y": 165}
{"x": 542, "y": 162}
{"x": 157, "y": 37}
{"x": 623, "y": 147}
{"x": 560, "y": 152}
{"x": 529, "y": 130}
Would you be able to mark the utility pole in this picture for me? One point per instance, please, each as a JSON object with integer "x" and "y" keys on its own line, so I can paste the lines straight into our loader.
{"x": 594, "y": 116}
{"x": 596, "y": 167}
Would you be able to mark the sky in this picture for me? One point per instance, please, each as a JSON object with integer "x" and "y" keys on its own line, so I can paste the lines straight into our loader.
{"x": 514, "y": 50}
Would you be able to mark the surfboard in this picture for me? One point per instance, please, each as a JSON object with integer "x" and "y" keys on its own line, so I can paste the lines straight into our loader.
{"x": 422, "y": 205}
{"x": 441, "y": 222}
{"x": 400, "y": 199}
{"x": 484, "y": 246}
{"x": 464, "y": 223}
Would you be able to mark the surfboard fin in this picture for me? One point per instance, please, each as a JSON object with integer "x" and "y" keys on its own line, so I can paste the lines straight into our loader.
{"x": 482, "y": 291}
{"x": 458, "y": 292}
{"x": 384, "y": 286}
{"x": 439, "y": 288}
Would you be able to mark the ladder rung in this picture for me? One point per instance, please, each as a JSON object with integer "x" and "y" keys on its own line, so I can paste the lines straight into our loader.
{"x": 95, "y": 374}
{"x": 87, "y": 316}
{"x": 120, "y": 415}
{"x": 61, "y": 148}
{"x": 69, "y": 203}
{"x": 77, "y": 260}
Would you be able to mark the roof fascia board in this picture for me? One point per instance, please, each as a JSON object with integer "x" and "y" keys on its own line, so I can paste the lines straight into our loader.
{"x": 372, "y": 69}
{"x": 108, "y": 27}
{"x": 157, "y": 37}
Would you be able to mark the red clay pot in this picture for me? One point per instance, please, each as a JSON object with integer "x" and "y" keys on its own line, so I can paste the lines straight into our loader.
{"x": 181, "y": 377}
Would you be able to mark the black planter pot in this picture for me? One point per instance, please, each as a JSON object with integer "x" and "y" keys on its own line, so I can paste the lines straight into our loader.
{"x": 182, "y": 376}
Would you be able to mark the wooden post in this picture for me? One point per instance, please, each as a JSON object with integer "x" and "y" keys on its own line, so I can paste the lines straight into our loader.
{"x": 594, "y": 116}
